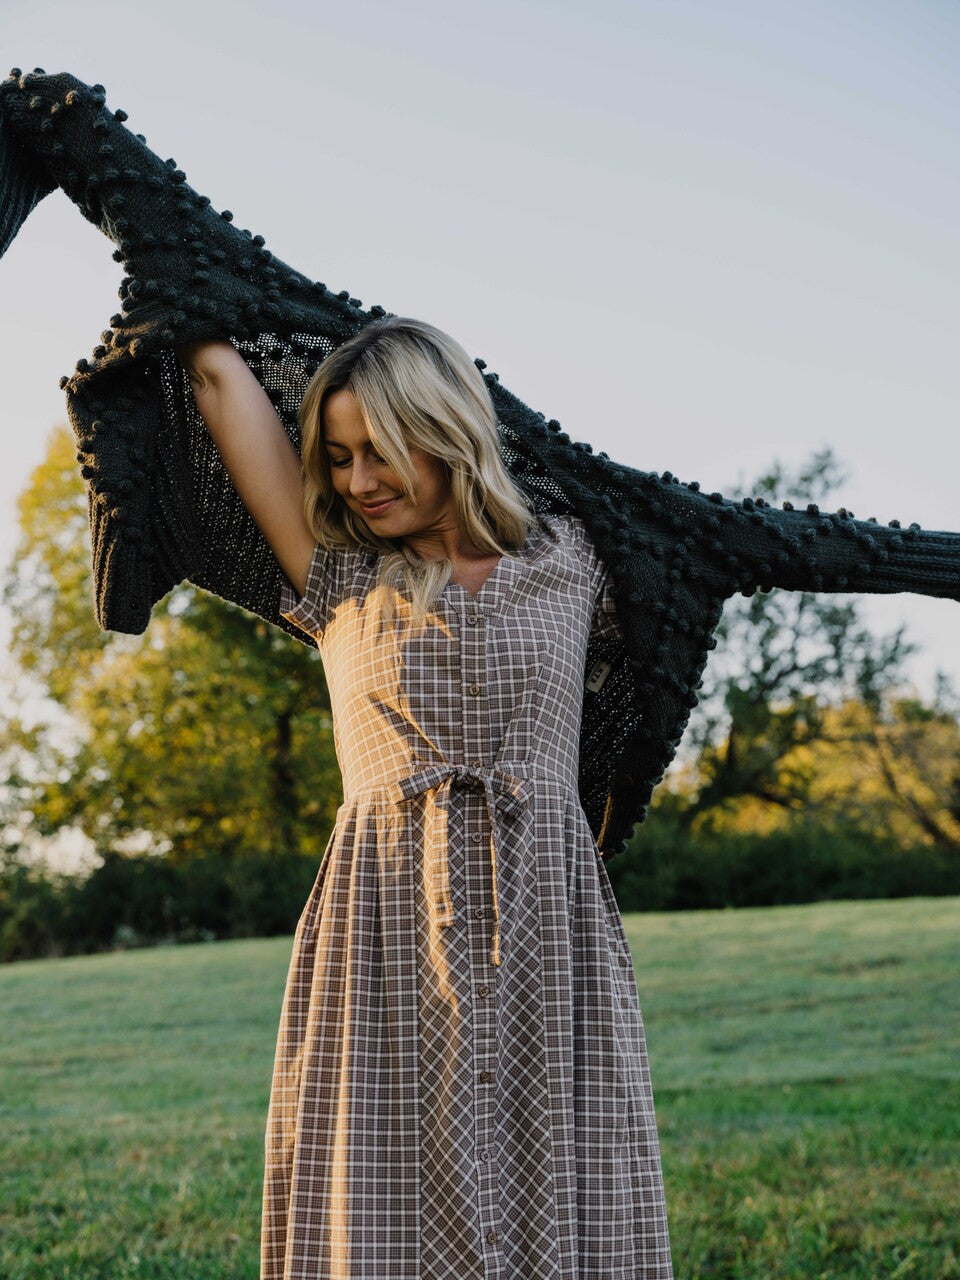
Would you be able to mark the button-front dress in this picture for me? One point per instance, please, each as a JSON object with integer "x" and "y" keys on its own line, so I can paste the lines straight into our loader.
{"x": 461, "y": 1089}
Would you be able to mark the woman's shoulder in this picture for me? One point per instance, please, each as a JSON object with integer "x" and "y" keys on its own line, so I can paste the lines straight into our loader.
{"x": 568, "y": 529}
{"x": 568, "y": 534}
{"x": 334, "y": 572}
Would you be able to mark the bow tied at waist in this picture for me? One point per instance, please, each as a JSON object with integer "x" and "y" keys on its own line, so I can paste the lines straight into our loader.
{"x": 505, "y": 795}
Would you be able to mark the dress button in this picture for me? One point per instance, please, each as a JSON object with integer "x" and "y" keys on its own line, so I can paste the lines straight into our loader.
{"x": 491, "y": 1237}
{"x": 483, "y": 991}
{"x": 475, "y": 837}
{"x": 484, "y": 1077}
{"x": 479, "y": 913}
{"x": 478, "y": 764}
{"x": 484, "y": 1154}
{"x": 471, "y": 617}
{"x": 474, "y": 689}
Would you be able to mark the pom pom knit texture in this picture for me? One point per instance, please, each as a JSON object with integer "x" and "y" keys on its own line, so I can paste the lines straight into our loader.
{"x": 162, "y": 508}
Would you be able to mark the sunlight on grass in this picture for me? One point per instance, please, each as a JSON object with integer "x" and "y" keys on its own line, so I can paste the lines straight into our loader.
{"x": 805, "y": 1061}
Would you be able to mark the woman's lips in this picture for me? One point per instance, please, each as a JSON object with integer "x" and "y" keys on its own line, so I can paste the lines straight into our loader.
{"x": 377, "y": 509}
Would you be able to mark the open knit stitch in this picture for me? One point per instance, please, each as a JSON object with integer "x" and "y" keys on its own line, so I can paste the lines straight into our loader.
{"x": 163, "y": 509}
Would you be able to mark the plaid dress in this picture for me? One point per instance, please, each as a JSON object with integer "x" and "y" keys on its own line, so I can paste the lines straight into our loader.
{"x": 461, "y": 1089}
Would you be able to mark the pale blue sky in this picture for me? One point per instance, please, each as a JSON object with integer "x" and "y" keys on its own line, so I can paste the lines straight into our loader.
{"x": 702, "y": 235}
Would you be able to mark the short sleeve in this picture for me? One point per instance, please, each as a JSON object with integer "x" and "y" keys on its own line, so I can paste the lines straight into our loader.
{"x": 328, "y": 578}
{"x": 605, "y": 625}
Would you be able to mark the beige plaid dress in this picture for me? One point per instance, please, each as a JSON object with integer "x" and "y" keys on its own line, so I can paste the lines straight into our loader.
{"x": 461, "y": 1088}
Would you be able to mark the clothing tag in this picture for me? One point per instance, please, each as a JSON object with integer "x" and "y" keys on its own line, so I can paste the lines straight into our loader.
{"x": 597, "y": 676}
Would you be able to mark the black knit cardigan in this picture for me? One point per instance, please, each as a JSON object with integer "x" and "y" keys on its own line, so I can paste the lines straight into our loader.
{"x": 162, "y": 507}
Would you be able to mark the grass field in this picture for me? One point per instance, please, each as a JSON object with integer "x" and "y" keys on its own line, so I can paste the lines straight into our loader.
{"x": 806, "y": 1068}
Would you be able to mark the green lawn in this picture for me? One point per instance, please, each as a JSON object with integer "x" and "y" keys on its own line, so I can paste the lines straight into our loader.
{"x": 805, "y": 1059}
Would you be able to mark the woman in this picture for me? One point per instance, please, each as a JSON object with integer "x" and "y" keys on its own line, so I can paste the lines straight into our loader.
{"x": 461, "y": 1084}
{"x": 448, "y": 1099}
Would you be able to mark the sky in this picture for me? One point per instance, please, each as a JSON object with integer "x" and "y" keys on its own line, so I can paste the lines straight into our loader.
{"x": 703, "y": 236}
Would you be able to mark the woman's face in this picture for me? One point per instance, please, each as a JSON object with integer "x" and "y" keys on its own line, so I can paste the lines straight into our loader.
{"x": 370, "y": 487}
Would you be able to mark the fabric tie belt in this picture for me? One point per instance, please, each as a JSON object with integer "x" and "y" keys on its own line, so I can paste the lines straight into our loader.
{"x": 501, "y": 791}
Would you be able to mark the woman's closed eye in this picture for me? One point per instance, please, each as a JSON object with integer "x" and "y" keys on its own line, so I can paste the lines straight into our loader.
{"x": 345, "y": 462}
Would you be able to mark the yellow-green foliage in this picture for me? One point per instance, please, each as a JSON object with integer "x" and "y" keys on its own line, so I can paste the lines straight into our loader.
{"x": 209, "y": 732}
{"x": 893, "y": 773}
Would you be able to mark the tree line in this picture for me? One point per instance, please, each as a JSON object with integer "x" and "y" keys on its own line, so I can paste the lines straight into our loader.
{"x": 198, "y": 758}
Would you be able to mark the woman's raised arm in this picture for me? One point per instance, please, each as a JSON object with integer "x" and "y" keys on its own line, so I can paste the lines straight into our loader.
{"x": 256, "y": 450}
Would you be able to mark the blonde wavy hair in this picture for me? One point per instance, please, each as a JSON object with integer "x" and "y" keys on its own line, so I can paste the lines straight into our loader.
{"x": 415, "y": 386}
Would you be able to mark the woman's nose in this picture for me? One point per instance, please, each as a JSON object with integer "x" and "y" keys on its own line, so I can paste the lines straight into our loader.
{"x": 362, "y": 479}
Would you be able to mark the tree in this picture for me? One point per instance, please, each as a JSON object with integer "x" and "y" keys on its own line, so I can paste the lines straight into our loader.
{"x": 797, "y": 685}
{"x": 892, "y": 769}
{"x": 210, "y": 732}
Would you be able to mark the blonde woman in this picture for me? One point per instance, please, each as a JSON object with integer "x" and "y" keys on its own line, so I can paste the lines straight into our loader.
{"x": 461, "y": 1086}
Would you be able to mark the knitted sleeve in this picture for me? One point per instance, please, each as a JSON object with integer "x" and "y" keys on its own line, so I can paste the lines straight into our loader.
{"x": 23, "y": 184}
{"x": 745, "y": 545}
{"x": 162, "y": 508}
{"x": 814, "y": 550}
